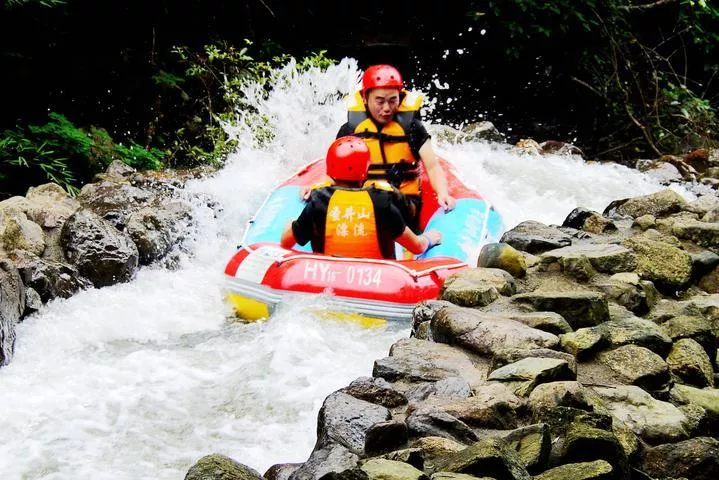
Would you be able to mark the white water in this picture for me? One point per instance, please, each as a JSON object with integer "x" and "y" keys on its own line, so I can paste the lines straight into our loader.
{"x": 138, "y": 381}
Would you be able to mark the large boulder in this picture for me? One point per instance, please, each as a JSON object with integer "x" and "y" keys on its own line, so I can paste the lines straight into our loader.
{"x": 220, "y": 467}
{"x": 12, "y": 306}
{"x": 100, "y": 252}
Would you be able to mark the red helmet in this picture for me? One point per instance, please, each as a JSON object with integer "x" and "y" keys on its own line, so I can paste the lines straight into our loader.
{"x": 348, "y": 159}
{"x": 381, "y": 76}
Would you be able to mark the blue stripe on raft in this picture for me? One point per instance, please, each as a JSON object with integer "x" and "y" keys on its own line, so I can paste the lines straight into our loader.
{"x": 473, "y": 222}
{"x": 282, "y": 206}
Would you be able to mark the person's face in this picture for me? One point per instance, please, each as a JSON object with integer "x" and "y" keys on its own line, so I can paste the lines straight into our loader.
{"x": 382, "y": 103}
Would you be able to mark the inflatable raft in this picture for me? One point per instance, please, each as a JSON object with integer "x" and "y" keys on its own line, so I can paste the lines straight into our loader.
{"x": 262, "y": 275}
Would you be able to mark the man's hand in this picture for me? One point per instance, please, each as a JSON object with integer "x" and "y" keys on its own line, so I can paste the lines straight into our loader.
{"x": 447, "y": 201}
{"x": 305, "y": 192}
{"x": 434, "y": 238}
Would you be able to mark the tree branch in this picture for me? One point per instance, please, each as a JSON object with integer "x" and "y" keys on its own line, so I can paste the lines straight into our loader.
{"x": 647, "y": 6}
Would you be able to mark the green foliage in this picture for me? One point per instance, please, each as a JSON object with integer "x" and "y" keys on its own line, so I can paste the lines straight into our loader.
{"x": 214, "y": 85}
{"x": 60, "y": 152}
{"x": 635, "y": 60}
{"x": 43, "y": 3}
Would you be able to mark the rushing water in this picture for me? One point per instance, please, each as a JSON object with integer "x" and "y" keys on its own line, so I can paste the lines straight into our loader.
{"x": 139, "y": 380}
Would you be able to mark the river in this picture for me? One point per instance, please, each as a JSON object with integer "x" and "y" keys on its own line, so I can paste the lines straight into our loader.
{"x": 139, "y": 380}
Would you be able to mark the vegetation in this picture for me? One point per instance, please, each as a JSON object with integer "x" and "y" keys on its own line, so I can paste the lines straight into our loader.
{"x": 155, "y": 86}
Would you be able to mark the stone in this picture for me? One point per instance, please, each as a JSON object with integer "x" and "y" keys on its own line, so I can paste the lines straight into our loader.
{"x": 669, "y": 267}
{"x": 535, "y": 237}
{"x": 491, "y": 406}
{"x": 435, "y": 449}
{"x": 383, "y": 437}
{"x": 702, "y": 233}
{"x": 695, "y": 459}
{"x": 582, "y": 343}
{"x": 524, "y": 375}
{"x": 584, "y": 443}
{"x": 658, "y": 204}
{"x": 220, "y": 467}
{"x": 477, "y": 286}
{"x": 689, "y": 364}
{"x": 324, "y": 460}
{"x": 375, "y": 390}
{"x": 416, "y": 360}
{"x": 450, "y": 387}
{"x": 488, "y": 457}
{"x": 12, "y": 306}
{"x": 345, "y": 420}
{"x": 589, "y": 221}
{"x": 381, "y": 469}
{"x": 638, "y": 365}
{"x": 604, "y": 257}
{"x": 563, "y": 394}
{"x": 596, "y": 470}
{"x": 579, "y": 309}
{"x": 504, "y": 256}
{"x": 654, "y": 421}
{"x": 100, "y": 252}
{"x": 431, "y": 421}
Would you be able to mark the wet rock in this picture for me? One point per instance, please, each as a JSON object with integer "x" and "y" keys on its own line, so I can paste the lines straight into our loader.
{"x": 636, "y": 331}
{"x": 589, "y": 221}
{"x": 638, "y": 365}
{"x": 434, "y": 449}
{"x": 431, "y": 421}
{"x": 695, "y": 327}
{"x": 381, "y": 469}
{"x": 579, "y": 309}
{"x": 488, "y": 457}
{"x": 664, "y": 172}
{"x": 477, "y": 287}
{"x": 375, "y": 390}
{"x": 563, "y": 394}
{"x": 584, "y": 443}
{"x": 332, "y": 458}
{"x": 654, "y": 421}
{"x": 701, "y": 233}
{"x": 637, "y": 296}
{"x": 281, "y": 471}
{"x": 412, "y": 456}
{"x": 710, "y": 282}
{"x": 505, "y": 257}
{"x": 596, "y": 470}
{"x": 606, "y": 258}
{"x": 156, "y": 229}
{"x": 658, "y": 204}
{"x": 385, "y": 437}
{"x": 703, "y": 204}
{"x": 345, "y": 420}
{"x": 491, "y": 406}
{"x": 456, "y": 476}
{"x": 49, "y": 205}
{"x": 696, "y": 459}
{"x": 12, "y": 306}
{"x": 505, "y": 356}
{"x": 689, "y": 364}
{"x": 48, "y": 278}
{"x": 451, "y": 387}
{"x": 523, "y": 376}
{"x": 422, "y": 314}
{"x": 533, "y": 443}
{"x": 706, "y": 398}
{"x": 549, "y": 322}
{"x": 582, "y": 343}
{"x": 19, "y": 233}
{"x": 100, "y": 252}
{"x": 667, "y": 266}
{"x": 489, "y": 336}
{"x": 416, "y": 360}
{"x": 535, "y": 237}
{"x": 114, "y": 202}
{"x": 220, "y": 467}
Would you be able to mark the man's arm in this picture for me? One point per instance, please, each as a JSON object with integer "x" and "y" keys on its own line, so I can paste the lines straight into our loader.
{"x": 419, "y": 243}
{"x": 436, "y": 176}
{"x": 288, "y": 236}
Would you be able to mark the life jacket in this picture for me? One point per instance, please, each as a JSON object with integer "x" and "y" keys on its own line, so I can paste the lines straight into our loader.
{"x": 392, "y": 157}
{"x": 351, "y": 227}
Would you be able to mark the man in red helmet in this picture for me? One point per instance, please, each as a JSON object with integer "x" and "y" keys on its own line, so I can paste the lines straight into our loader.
{"x": 387, "y": 117}
{"x": 348, "y": 220}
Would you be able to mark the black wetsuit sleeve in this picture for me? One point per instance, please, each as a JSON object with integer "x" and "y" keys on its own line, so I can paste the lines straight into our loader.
{"x": 345, "y": 130}
{"x": 302, "y": 227}
{"x": 310, "y": 225}
{"x": 418, "y": 135}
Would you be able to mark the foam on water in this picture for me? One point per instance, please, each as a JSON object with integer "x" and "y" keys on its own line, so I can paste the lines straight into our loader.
{"x": 139, "y": 380}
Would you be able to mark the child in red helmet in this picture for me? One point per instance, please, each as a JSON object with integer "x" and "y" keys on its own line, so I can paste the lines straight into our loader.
{"x": 348, "y": 220}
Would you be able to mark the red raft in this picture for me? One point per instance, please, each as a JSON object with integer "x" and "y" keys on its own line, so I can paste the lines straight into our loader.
{"x": 262, "y": 275}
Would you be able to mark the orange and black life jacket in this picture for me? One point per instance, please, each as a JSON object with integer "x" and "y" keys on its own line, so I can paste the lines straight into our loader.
{"x": 351, "y": 226}
{"x": 392, "y": 157}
